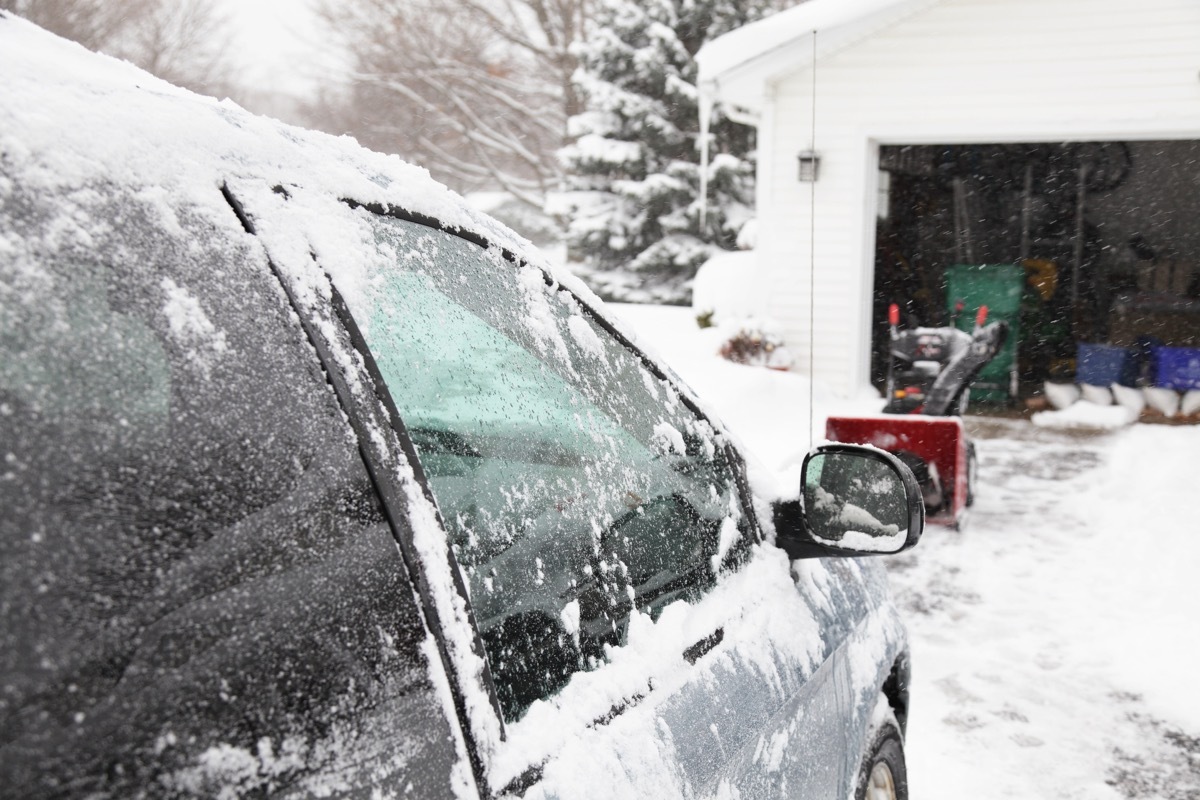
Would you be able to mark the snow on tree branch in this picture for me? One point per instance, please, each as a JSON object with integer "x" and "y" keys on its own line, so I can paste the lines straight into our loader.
{"x": 634, "y": 170}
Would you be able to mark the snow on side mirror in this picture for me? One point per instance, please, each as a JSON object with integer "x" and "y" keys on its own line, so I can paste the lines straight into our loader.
{"x": 856, "y": 501}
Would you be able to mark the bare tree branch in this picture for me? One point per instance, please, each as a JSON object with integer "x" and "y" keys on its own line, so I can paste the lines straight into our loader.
{"x": 478, "y": 91}
{"x": 182, "y": 41}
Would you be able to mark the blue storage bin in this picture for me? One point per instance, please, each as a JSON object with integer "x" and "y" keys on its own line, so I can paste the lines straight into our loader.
{"x": 1177, "y": 368}
{"x": 1104, "y": 365}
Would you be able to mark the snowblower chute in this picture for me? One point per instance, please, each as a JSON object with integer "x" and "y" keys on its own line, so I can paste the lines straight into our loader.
{"x": 929, "y": 377}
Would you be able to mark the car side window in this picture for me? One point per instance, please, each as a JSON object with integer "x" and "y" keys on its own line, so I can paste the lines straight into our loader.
{"x": 200, "y": 594}
{"x": 575, "y": 483}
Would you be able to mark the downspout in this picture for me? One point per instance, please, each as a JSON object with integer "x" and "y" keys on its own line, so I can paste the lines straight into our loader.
{"x": 707, "y": 94}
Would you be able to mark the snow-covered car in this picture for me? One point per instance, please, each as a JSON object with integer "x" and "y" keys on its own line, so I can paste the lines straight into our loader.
{"x": 316, "y": 482}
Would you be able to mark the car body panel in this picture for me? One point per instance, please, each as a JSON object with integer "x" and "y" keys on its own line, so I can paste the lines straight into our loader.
{"x": 187, "y": 519}
{"x": 761, "y": 685}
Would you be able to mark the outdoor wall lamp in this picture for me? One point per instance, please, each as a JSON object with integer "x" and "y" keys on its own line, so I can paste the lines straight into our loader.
{"x": 809, "y": 164}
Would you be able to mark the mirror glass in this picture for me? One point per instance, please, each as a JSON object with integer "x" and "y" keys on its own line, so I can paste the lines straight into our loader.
{"x": 855, "y": 502}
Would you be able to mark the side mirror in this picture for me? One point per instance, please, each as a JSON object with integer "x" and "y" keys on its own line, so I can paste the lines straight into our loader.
{"x": 856, "y": 501}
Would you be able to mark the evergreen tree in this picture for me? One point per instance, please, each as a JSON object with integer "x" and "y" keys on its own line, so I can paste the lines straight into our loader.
{"x": 634, "y": 168}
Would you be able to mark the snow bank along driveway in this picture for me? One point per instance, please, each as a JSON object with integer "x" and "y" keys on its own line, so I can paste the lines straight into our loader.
{"x": 1055, "y": 641}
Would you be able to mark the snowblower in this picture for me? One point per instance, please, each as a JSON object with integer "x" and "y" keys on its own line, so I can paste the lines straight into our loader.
{"x": 929, "y": 375}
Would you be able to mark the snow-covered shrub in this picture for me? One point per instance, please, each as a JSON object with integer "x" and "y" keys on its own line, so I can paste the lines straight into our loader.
{"x": 755, "y": 342}
{"x": 729, "y": 285}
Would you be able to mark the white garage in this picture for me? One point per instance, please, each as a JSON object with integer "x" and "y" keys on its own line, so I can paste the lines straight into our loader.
{"x": 1057, "y": 138}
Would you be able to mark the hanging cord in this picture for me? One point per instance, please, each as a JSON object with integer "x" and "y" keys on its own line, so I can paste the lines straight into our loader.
{"x": 812, "y": 255}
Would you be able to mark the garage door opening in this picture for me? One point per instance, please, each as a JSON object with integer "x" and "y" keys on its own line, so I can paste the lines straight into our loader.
{"x": 1075, "y": 242}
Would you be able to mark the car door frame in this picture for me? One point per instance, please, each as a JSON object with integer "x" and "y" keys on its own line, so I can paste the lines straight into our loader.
{"x": 393, "y": 496}
{"x": 381, "y": 460}
{"x": 533, "y": 772}
{"x": 735, "y": 459}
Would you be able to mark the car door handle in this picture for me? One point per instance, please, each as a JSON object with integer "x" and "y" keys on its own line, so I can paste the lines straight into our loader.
{"x": 697, "y": 651}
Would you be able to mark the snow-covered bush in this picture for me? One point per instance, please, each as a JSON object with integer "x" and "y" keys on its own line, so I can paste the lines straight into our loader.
{"x": 728, "y": 285}
{"x": 755, "y": 342}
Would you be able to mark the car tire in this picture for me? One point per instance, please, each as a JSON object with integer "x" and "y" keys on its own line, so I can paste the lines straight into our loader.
{"x": 883, "y": 775}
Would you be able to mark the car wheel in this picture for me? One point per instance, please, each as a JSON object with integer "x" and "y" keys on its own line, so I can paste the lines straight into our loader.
{"x": 883, "y": 775}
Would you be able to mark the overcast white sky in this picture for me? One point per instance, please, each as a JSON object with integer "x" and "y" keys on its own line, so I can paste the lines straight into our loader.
{"x": 277, "y": 42}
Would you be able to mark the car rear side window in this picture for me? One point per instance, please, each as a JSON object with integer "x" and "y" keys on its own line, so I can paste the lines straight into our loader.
{"x": 575, "y": 483}
{"x": 200, "y": 594}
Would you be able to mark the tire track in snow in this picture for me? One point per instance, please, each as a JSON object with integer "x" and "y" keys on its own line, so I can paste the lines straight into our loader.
{"x": 1013, "y": 694}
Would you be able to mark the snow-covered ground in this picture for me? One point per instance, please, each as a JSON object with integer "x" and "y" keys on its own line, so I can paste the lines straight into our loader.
{"x": 1056, "y": 640}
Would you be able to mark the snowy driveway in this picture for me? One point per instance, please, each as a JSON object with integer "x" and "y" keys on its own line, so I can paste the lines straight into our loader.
{"x": 1056, "y": 642}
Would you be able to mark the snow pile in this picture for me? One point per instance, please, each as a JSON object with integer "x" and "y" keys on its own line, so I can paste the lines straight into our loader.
{"x": 1086, "y": 415}
{"x": 1062, "y": 395}
{"x": 1078, "y": 405}
{"x": 1171, "y": 403}
{"x": 1164, "y": 401}
{"x": 728, "y": 286}
{"x": 1129, "y": 398}
{"x": 1100, "y": 395}
{"x": 1190, "y": 404}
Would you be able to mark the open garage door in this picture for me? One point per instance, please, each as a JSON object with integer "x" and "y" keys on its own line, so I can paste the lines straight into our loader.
{"x": 1080, "y": 243}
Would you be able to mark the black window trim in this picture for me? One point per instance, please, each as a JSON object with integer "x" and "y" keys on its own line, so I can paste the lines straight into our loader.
{"x": 388, "y": 492}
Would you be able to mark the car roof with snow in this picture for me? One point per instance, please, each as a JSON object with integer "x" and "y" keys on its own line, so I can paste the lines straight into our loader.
{"x": 68, "y": 113}
{"x": 67, "y": 116}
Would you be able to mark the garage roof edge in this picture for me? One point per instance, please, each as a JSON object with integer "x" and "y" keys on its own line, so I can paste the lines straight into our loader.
{"x": 734, "y": 67}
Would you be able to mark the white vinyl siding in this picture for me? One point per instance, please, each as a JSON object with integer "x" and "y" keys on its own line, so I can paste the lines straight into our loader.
{"x": 959, "y": 71}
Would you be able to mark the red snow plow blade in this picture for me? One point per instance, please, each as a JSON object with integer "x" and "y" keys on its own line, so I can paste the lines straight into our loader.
{"x": 929, "y": 373}
{"x": 940, "y": 447}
